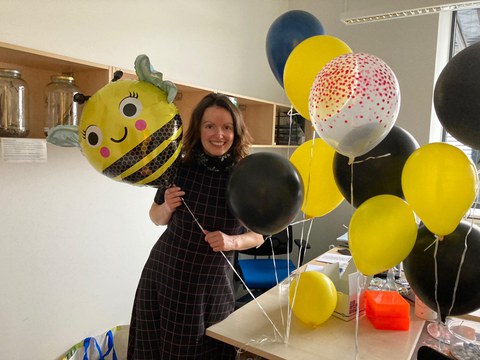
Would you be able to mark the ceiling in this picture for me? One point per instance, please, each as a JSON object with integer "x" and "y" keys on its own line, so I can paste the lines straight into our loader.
{"x": 365, "y": 11}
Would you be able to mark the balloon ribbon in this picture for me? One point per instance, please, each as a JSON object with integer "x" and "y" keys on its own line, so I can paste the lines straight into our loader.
{"x": 235, "y": 271}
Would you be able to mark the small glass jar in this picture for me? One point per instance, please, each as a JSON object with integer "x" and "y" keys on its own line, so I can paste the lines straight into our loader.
{"x": 61, "y": 109}
{"x": 13, "y": 104}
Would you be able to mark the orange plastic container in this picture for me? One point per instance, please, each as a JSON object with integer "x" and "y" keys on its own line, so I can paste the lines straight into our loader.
{"x": 387, "y": 310}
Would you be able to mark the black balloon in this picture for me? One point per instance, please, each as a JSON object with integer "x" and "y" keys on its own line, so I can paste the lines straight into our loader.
{"x": 456, "y": 96}
{"x": 419, "y": 269}
{"x": 265, "y": 192}
{"x": 378, "y": 175}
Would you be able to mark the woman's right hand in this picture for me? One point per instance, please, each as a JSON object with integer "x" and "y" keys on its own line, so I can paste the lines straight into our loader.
{"x": 161, "y": 214}
{"x": 173, "y": 198}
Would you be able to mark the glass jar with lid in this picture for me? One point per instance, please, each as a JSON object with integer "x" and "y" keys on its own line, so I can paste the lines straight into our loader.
{"x": 61, "y": 109}
{"x": 13, "y": 104}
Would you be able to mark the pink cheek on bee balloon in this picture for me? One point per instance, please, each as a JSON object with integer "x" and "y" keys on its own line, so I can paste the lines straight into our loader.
{"x": 105, "y": 152}
{"x": 140, "y": 125}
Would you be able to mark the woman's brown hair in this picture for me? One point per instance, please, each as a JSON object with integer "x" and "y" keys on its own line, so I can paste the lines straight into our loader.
{"x": 241, "y": 140}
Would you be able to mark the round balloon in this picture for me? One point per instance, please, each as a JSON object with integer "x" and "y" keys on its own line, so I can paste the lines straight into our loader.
{"x": 422, "y": 263}
{"x": 440, "y": 183}
{"x": 381, "y": 233}
{"x": 354, "y": 102}
{"x": 377, "y": 172}
{"x": 456, "y": 95}
{"x": 265, "y": 192}
{"x": 304, "y": 63}
{"x": 130, "y": 132}
{"x": 313, "y": 297}
{"x": 285, "y": 33}
{"x": 314, "y": 159}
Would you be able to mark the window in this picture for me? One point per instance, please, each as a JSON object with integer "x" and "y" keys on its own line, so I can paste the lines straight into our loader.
{"x": 465, "y": 32}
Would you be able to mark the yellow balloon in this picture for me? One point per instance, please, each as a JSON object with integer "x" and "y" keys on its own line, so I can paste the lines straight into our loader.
{"x": 440, "y": 182}
{"x": 304, "y": 63}
{"x": 314, "y": 299}
{"x": 381, "y": 234}
{"x": 131, "y": 133}
{"x": 314, "y": 162}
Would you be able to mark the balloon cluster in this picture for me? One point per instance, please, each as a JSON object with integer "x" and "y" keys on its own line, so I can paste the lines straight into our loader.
{"x": 353, "y": 100}
{"x": 439, "y": 184}
{"x": 442, "y": 268}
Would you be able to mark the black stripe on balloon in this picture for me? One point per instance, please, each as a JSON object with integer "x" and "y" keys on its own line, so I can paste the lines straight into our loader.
{"x": 143, "y": 149}
{"x": 155, "y": 164}
{"x": 166, "y": 179}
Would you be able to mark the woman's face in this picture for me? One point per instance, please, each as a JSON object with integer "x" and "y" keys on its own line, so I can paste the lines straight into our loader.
{"x": 216, "y": 131}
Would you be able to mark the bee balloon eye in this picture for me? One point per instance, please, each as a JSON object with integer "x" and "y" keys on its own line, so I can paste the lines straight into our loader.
{"x": 130, "y": 107}
{"x": 93, "y": 136}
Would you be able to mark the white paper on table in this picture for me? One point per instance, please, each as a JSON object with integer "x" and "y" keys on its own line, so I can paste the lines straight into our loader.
{"x": 335, "y": 258}
{"x": 313, "y": 267}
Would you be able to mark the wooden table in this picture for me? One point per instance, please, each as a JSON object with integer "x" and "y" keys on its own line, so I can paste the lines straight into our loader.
{"x": 249, "y": 328}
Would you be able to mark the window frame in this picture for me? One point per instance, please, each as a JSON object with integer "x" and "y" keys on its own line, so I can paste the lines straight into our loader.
{"x": 473, "y": 154}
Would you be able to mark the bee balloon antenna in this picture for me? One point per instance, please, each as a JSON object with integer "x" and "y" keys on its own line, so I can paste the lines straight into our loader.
{"x": 80, "y": 98}
{"x": 117, "y": 75}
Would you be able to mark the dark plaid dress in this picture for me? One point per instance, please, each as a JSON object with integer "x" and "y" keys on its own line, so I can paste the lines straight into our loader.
{"x": 185, "y": 287}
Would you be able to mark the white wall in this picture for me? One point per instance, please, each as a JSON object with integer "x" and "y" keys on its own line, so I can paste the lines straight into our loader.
{"x": 218, "y": 44}
{"x": 73, "y": 245}
{"x": 73, "y": 242}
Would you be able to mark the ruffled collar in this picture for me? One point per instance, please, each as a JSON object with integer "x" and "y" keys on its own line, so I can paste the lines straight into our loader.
{"x": 214, "y": 163}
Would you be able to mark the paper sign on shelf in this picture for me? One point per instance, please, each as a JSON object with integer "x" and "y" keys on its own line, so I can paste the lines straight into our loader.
{"x": 23, "y": 150}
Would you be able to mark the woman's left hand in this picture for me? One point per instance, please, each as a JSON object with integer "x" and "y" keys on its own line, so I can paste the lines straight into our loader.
{"x": 220, "y": 241}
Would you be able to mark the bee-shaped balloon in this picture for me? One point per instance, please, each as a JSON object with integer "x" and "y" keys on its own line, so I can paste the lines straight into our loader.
{"x": 131, "y": 131}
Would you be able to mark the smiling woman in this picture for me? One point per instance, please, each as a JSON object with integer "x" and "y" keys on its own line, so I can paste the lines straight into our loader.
{"x": 186, "y": 286}
{"x": 217, "y": 131}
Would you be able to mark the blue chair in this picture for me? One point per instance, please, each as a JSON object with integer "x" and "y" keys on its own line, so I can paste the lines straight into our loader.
{"x": 261, "y": 270}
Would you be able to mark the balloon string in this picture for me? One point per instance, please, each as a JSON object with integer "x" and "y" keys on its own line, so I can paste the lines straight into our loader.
{"x": 290, "y": 308}
{"x": 269, "y": 237}
{"x": 429, "y": 246}
{"x": 352, "y": 161}
{"x": 371, "y": 158}
{"x": 236, "y": 273}
{"x": 300, "y": 221}
{"x": 436, "y": 275}
{"x": 290, "y": 118}
{"x": 253, "y": 297}
{"x": 310, "y": 160}
{"x": 291, "y": 112}
{"x": 462, "y": 259}
{"x": 257, "y": 342}
{"x": 304, "y": 249}
{"x": 193, "y": 216}
{"x": 351, "y": 185}
{"x": 361, "y": 282}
